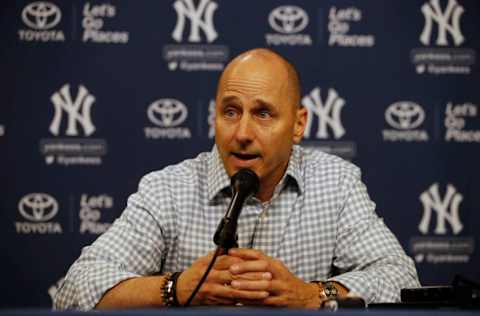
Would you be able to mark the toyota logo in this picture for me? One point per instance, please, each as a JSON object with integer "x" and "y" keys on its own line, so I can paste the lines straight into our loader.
{"x": 167, "y": 112}
{"x": 288, "y": 19}
{"x": 404, "y": 115}
{"x": 38, "y": 207}
{"x": 41, "y": 15}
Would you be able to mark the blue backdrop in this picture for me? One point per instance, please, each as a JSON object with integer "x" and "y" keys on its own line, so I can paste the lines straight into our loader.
{"x": 94, "y": 94}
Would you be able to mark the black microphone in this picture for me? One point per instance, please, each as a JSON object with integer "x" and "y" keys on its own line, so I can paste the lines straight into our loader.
{"x": 244, "y": 184}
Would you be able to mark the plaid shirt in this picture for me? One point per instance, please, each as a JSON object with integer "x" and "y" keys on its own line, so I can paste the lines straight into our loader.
{"x": 320, "y": 223}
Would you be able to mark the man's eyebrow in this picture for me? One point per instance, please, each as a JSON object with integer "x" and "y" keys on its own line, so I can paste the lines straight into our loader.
{"x": 228, "y": 99}
{"x": 259, "y": 103}
{"x": 264, "y": 104}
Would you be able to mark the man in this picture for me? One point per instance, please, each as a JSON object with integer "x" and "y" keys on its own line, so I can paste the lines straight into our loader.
{"x": 311, "y": 220}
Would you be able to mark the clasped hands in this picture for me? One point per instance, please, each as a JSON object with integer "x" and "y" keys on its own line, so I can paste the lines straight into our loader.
{"x": 249, "y": 277}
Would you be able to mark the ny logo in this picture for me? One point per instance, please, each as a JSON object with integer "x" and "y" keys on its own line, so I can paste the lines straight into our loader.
{"x": 328, "y": 113}
{"x": 78, "y": 111}
{"x": 186, "y": 9}
{"x": 433, "y": 12}
{"x": 432, "y": 202}
{"x": 211, "y": 119}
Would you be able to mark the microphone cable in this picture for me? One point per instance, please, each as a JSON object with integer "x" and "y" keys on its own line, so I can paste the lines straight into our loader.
{"x": 244, "y": 184}
{"x": 204, "y": 277}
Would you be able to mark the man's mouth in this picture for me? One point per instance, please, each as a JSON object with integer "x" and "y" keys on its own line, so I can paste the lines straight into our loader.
{"x": 245, "y": 156}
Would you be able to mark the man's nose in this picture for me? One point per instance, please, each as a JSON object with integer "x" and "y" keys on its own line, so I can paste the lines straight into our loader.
{"x": 245, "y": 132}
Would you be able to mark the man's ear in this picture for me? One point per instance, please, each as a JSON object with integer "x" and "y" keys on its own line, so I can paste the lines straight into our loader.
{"x": 300, "y": 123}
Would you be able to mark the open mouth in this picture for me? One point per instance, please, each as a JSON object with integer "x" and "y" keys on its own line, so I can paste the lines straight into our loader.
{"x": 245, "y": 156}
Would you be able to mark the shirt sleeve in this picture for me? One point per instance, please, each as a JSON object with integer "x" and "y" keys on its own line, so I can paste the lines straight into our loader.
{"x": 133, "y": 246}
{"x": 369, "y": 258}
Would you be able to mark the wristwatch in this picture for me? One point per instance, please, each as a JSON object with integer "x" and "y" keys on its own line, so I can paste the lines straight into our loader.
{"x": 330, "y": 290}
{"x": 327, "y": 290}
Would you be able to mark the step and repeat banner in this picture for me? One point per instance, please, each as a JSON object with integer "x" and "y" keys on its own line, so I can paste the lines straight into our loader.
{"x": 95, "y": 94}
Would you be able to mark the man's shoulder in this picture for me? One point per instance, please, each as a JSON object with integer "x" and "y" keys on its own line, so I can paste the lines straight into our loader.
{"x": 184, "y": 172}
{"x": 316, "y": 163}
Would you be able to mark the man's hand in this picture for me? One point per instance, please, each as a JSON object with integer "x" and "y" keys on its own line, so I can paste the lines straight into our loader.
{"x": 216, "y": 289}
{"x": 284, "y": 288}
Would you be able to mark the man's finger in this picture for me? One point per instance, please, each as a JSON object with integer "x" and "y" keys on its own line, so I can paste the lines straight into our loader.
{"x": 224, "y": 262}
{"x": 220, "y": 277}
{"x": 246, "y": 253}
{"x": 250, "y": 266}
{"x": 261, "y": 285}
{"x": 277, "y": 287}
{"x": 253, "y": 276}
{"x": 274, "y": 287}
{"x": 228, "y": 292}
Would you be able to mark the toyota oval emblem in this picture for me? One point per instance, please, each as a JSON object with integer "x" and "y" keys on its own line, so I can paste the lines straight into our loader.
{"x": 405, "y": 115}
{"x": 167, "y": 112}
{"x": 41, "y": 15}
{"x": 288, "y": 19}
{"x": 38, "y": 207}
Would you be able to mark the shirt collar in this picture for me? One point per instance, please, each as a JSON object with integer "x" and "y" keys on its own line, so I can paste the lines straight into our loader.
{"x": 218, "y": 179}
{"x": 294, "y": 169}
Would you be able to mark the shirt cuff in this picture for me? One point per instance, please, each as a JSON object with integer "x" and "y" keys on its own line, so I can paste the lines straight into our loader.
{"x": 357, "y": 284}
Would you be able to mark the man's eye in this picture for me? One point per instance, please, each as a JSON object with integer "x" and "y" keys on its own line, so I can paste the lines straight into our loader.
{"x": 264, "y": 114}
{"x": 230, "y": 113}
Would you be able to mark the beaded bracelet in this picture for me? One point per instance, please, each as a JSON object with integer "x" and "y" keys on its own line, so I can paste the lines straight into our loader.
{"x": 169, "y": 289}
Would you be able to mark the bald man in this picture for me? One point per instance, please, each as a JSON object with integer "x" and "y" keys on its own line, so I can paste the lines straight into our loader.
{"x": 310, "y": 234}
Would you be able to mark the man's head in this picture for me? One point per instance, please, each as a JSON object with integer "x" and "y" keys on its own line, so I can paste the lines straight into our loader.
{"x": 258, "y": 116}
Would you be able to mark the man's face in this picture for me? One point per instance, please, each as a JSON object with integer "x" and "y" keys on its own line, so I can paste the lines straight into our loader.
{"x": 256, "y": 123}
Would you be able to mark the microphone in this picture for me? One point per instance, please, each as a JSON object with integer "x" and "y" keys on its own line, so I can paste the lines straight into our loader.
{"x": 244, "y": 184}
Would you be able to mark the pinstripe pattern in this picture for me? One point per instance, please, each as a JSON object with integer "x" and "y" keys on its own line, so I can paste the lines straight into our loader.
{"x": 320, "y": 222}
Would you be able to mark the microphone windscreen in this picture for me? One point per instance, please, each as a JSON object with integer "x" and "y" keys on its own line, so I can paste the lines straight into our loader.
{"x": 245, "y": 181}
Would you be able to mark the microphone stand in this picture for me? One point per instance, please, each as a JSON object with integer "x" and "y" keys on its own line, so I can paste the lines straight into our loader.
{"x": 244, "y": 184}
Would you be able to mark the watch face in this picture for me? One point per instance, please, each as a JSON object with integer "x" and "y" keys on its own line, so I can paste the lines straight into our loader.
{"x": 330, "y": 290}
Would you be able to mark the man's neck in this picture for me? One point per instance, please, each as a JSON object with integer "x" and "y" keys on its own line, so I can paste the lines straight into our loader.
{"x": 265, "y": 196}
{"x": 267, "y": 188}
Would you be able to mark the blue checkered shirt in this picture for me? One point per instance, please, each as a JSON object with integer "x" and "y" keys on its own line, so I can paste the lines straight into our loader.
{"x": 320, "y": 223}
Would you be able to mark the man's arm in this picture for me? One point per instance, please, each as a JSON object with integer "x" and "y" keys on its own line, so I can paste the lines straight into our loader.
{"x": 369, "y": 258}
{"x": 133, "y": 246}
{"x": 134, "y": 293}
{"x": 147, "y": 291}
{"x": 118, "y": 269}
